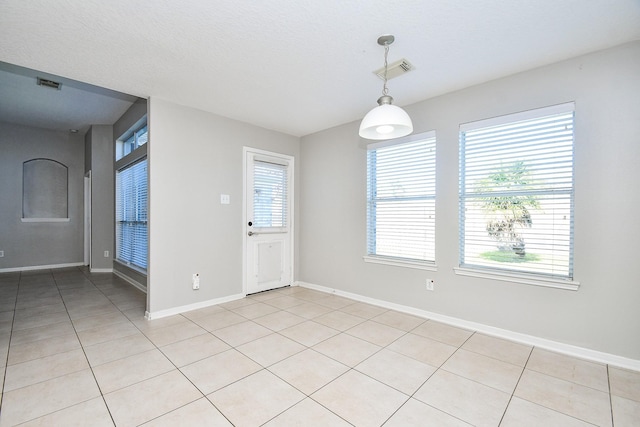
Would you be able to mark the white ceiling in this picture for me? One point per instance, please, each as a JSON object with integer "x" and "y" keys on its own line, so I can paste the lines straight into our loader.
{"x": 300, "y": 66}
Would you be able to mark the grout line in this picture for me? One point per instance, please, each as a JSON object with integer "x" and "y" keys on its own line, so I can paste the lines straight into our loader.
{"x": 83, "y": 350}
{"x": 13, "y": 320}
{"x": 610, "y": 394}
{"x": 524, "y": 367}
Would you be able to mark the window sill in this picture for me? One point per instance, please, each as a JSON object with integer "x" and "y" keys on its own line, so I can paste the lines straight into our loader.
{"x": 131, "y": 267}
{"x": 519, "y": 278}
{"x": 397, "y": 262}
{"x": 44, "y": 219}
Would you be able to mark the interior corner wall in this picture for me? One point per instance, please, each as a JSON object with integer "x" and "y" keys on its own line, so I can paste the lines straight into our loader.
{"x": 194, "y": 157}
{"x": 34, "y": 244}
{"x": 129, "y": 119}
{"x": 100, "y": 140}
{"x": 603, "y": 314}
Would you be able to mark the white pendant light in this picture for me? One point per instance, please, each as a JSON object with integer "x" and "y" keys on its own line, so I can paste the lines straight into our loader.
{"x": 386, "y": 121}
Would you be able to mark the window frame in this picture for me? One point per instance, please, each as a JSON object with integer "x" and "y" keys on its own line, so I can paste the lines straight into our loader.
{"x": 132, "y": 140}
{"x": 139, "y": 154}
{"x": 514, "y": 275}
{"x": 399, "y": 261}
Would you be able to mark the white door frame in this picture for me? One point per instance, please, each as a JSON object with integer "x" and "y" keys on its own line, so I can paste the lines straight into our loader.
{"x": 87, "y": 219}
{"x": 291, "y": 161}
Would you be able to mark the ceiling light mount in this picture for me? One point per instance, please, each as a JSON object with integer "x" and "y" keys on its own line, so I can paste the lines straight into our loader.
{"x": 386, "y": 39}
{"x": 386, "y": 121}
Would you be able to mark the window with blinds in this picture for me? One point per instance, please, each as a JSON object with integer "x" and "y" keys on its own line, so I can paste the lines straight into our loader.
{"x": 401, "y": 187}
{"x": 131, "y": 214}
{"x": 137, "y": 139}
{"x": 516, "y": 192}
{"x": 270, "y": 183}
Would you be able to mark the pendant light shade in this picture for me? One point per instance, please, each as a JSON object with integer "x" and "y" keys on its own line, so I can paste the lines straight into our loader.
{"x": 386, "y": 121}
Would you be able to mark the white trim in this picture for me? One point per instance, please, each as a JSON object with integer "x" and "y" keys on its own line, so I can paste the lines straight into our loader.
{"x": 521, "y": 116}
{"x": 44, "y": 219}
{"x": 100, "y": 270}
{"x": 189, "y": 307}
{"x": 397, "y": 141}
{"x": 396, "y": 262}
{"x": 548, "y": 282}
{"x": 275, "y": 160}
{"x": 131, "y": 158}
{"x": 129, "y": 280}
{"x": 87, "y": 218}
{"x": 571, "y": 350}
{"x": 41, "y": 267}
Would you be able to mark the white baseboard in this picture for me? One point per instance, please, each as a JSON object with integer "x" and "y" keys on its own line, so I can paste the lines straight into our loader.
{"x": 41, "y": 267}
{"x": 129, "y": 280}
{"x": 571, "y": 350}
{"x": 189, "y": 307}
{"x": 101, "y": 270}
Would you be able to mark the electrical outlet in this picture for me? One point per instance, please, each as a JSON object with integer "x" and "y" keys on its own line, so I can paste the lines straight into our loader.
{"x": 430, "y": 284}
{"x": 106, "y": 254}
{"x": 1, "y": 254}
{"x": 195, "y": 281}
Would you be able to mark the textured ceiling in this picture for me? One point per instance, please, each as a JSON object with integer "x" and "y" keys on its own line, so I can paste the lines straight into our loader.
{"x": 300, "y": 66}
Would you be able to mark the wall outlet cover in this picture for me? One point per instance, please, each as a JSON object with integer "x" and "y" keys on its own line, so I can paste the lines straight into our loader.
{"x": 430, "y": 284}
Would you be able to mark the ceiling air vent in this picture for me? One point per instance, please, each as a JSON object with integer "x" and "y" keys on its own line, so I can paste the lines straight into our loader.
{"x": 49, "y": 83}
{"x": 396, "y": 69}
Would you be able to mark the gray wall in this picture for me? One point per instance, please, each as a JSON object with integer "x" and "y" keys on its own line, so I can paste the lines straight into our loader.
{"x": 194, "y": 157}
{"x": 100, "y": 140}
{"x": 130, "y": 118}
{"x": 603, "y": 314}
{"x": 39, "y": 243}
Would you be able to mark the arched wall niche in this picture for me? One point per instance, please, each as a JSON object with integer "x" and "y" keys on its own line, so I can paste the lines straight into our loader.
{"x": 45, "y": 190}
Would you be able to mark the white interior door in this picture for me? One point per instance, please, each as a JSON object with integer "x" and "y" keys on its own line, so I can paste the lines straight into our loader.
{"x": 268, "y": 221}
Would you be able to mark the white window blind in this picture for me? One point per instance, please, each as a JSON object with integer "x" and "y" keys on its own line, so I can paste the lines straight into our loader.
{"x": 401, "y": 198}
{"x": 131, "y": 214}
{"x": 270, "y": 182}
{"x": 516, "y": 192}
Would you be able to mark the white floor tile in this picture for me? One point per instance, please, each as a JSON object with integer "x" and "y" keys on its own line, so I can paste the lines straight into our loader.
{"x": 287, "y": 357}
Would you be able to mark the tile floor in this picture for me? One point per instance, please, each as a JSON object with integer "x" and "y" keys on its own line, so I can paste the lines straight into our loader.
{"x": 75, "y": 350}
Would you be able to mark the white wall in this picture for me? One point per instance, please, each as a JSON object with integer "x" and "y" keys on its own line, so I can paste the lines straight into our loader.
{"x": 194, "y": 157}
{"x": 603, "y": 315}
